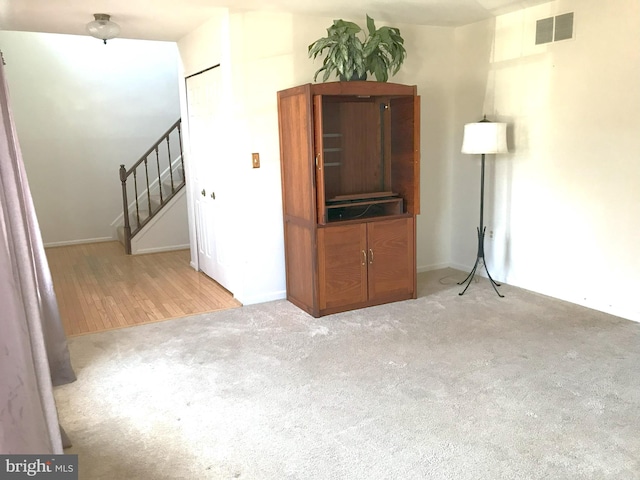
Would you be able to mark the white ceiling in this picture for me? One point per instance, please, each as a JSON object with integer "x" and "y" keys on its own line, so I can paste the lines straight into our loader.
{"x": 172, "y": 19}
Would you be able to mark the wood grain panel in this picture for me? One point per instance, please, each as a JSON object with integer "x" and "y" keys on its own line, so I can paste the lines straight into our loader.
{"x": 342, "y": 265}
{"x": 296, "y": 153}
{"x": 363, "y": 88}
{"x": 300, "y": 256}
{"x": 405, "y": 151}
{"x": 99, "y": 288}
{"x": 362, "y": 170}
{"x": 391, "y": 258}
{"x": 319, "y": 159}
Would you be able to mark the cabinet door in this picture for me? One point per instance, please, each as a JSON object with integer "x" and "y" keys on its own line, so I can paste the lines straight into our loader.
{"x": 318, "y": 142}
{"x": 405, "y": 151}
{"x": 391, "y": 258}
{"x": 342, "y": 265}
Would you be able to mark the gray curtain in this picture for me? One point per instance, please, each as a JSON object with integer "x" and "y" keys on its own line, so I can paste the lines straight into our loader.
{"x": 33, "y": 348}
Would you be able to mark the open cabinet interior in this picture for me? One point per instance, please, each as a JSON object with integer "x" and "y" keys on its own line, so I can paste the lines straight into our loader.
{"x": 359, "y": 156}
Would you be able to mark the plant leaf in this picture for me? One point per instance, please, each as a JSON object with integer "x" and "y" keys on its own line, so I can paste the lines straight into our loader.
{"x": 371, "y": 46}
{"x": 371, "y": 26}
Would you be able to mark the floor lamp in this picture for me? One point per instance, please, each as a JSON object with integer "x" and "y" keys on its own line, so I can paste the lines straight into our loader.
{"x": 483, "y": 137}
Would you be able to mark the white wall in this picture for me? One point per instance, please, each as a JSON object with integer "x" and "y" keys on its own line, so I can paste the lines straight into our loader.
{"x": 564, "y": 204}
{"x": 429, "y": 65}
{"x": 81, "y": 109}
{"x": 259, "y": 70}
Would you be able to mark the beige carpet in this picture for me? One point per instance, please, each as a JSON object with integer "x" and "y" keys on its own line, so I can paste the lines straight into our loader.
{"x": 442, "y": 387}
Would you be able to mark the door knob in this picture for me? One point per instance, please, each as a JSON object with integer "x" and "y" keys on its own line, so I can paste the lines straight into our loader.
{"x": 204, "y": 194}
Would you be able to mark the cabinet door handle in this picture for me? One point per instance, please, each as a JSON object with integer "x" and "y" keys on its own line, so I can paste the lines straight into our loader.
{"x": 364, "y": 257}
{"x": 203, "y": 192}
{"x": 371, "y": 256}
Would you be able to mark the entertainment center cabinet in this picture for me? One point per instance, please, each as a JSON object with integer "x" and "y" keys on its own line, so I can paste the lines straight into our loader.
{"x": 350, "y": 165}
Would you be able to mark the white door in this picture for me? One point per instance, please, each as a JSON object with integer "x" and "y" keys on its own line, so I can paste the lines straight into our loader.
{"x": 206, "y": 127}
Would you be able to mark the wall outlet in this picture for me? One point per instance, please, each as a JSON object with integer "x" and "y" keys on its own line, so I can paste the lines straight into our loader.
{"x": 255, "y": 160}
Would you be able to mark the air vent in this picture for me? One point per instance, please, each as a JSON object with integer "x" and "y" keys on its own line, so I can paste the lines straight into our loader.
{"x": 564, "y": 27}
{"x": 553, "y": 29}
{"x": 544, "y": 31}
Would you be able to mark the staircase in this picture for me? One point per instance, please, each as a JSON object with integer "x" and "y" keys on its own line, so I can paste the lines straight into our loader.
{"x": 151, "y": 183}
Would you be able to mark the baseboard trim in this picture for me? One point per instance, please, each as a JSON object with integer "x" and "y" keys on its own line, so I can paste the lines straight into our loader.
{"x": 80, "y": 242}
{"x": 458, "y": 266}
{"x": 170, "y": 248}
{"x": 268, "y": 297}
{"x": 429, "y": 268}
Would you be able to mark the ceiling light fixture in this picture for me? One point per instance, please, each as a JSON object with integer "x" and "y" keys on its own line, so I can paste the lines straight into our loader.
{"x": 103, "y": 28}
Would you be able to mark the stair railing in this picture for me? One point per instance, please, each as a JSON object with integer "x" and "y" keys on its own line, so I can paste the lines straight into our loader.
{"x": 159, "y": 172}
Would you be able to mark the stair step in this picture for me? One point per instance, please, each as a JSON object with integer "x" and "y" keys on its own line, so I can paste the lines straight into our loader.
{"x": 133, "y": 219}
{"x": 133, "y": 222}
{"x": 166, "y": 185}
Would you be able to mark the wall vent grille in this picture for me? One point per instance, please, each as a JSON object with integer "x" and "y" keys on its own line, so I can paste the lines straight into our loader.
{"x": 554, "y": 29}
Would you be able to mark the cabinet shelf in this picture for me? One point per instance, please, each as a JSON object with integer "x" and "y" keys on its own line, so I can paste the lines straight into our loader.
{"x": 355, "y": 209}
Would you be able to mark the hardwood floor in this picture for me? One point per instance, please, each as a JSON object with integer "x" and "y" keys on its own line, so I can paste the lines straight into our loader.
{"x": 100, "y": 288}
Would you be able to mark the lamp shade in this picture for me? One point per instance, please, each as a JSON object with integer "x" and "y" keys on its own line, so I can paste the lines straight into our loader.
{"x": 102, "y": 27}
{"x": 485, "y": 137}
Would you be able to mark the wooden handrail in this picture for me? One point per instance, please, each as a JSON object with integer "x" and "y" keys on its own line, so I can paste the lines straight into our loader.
{"x": 130, "y": 232}
{"x": 162, "y": 138}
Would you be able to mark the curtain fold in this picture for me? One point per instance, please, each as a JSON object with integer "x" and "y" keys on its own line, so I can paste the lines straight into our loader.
{"x": 33, "y": 348}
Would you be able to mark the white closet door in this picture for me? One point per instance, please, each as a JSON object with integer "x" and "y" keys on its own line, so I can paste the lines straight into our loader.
{"x": 212, "y": 203}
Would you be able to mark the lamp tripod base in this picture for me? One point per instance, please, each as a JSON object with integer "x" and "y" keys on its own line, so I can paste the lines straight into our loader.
{"x": 480, "y": 260}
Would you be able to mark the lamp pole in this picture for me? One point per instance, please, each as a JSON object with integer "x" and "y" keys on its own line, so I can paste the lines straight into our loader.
{"x": 480, "y": 255}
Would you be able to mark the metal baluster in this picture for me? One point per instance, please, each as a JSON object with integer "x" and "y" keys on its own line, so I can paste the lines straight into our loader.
{"x": 159, "y": 179}
{"x": 146, "y": 173}
{"x": 184, "y": 178}
{"x": 170, "y": 166}
{"x": 135, "y": 187}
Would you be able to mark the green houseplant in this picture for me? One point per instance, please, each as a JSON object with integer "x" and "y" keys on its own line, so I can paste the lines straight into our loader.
{"x": 348, "y": 57}
{"x": 345, "y": 52}
{"x": 384, "y": 51}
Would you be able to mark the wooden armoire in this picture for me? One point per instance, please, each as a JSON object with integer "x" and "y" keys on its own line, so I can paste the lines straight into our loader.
{"x": 350, "y": 162}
